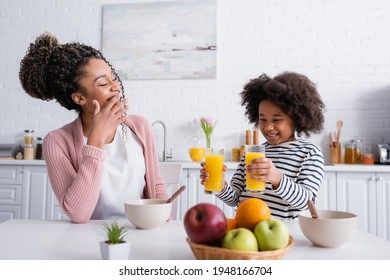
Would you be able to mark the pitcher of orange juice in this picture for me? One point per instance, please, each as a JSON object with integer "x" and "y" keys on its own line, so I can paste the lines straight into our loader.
{"x": 197, "y": 154}
{"x": 252, "y": 152}
{"x": 214, "y": 166}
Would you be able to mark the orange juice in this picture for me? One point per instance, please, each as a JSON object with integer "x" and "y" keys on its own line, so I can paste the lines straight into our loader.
{"x": 252, "y": 184}
{"x": 197, "y": 154}
{"x": 214, "y": 166}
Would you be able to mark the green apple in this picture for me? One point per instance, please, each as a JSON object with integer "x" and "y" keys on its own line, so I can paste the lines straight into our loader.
{"x": 271, "y": 234}
{"x": 241, "y": 239}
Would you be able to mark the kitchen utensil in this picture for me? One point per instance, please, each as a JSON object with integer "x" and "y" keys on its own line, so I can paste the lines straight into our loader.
{"x": 312, "y": 209}
{"x": 332, "y": 229}
{"x": 339, "y": 126}
{"x": 176, "y": 194}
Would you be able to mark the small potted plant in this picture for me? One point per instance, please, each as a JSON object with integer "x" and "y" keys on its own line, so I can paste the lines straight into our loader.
{"x": 114, "y": 247}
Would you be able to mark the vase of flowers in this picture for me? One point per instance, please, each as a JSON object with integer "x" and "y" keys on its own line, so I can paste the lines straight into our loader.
{"x": 208, "y": 125}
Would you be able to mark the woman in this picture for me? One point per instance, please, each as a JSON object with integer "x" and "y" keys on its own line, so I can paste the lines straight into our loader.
{"x": 104, "y": 157}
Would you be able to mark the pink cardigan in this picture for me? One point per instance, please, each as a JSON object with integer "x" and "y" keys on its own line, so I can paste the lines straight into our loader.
{"x": 75, "y": 169}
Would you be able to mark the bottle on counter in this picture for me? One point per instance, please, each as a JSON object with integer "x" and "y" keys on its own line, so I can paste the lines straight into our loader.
{"x": 256, "y": 137}
{"x": 236, "y": 154}
{"x": 28, "y": 137}
{"x": 248, "y": 137}
{"x": 38, "y": 152}
{"x": 351, "y": 153}
{"x": 368, "y": 155}
{"x": 29, "y": 151}
{"x": 360, "y": 149}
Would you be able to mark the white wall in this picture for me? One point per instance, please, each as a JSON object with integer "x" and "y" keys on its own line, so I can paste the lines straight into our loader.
{"x": 343, "y": 46}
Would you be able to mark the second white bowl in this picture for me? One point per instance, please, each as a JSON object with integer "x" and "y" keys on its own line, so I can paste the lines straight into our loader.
{"x": 332, "y": 228}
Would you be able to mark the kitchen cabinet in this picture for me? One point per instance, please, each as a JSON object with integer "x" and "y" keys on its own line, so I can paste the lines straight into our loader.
{"x": 25, "y": 193}
{"x": 366, "y": 194}
{"x": 326, "y": 199}
{"x": 10, "y": 192}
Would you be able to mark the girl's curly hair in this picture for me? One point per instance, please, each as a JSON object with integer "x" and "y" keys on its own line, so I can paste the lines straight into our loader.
{"x": 294, "y": 93}
{"x": 50, "y": 70}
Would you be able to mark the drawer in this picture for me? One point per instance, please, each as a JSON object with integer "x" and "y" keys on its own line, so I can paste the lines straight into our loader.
{"x": 10, "y": 174}
{"x": 8, "y": 212}
{"x": 10, "y": 194}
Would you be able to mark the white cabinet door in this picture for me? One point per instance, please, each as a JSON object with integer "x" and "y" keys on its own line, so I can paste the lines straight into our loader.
{"x": 356, "y": 193}
{"x": 11, "y": 188}
{"x": 326, "y": 199}
{"x": 383, "y": 205}
{"x": 39, "y": 201}
{"x": 35, "y": 189}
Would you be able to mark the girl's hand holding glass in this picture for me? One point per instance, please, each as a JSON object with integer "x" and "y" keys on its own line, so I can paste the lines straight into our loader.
{"x": 204, "y": 175}
{"x": 264, "y": 169}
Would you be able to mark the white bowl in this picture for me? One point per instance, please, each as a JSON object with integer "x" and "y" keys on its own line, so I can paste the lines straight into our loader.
{"x": 332, "y": 229}
{"x": 147, "y": 213}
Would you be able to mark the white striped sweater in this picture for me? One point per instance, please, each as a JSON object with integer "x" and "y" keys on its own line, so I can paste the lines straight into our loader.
{"x": 302, "y": 165}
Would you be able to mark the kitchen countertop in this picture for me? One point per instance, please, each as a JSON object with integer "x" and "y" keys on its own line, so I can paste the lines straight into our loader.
{"x": 233, "y": 166}
{"x": 45, "y": 240}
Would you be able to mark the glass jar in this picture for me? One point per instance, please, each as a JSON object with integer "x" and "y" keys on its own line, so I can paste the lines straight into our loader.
{"x": 360, "y": 149}
{"x": 367, "y": 158}
{"x": 38, "y": 152}
{"x": 28, "y": 136}
{"x": 351, "y": 153}
{"x": 29, "y": 152}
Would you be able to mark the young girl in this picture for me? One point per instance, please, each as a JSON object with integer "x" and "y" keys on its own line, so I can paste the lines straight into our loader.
{"x": 284, "y": 108}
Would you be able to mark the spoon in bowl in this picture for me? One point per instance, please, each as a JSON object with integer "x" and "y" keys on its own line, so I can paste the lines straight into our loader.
{"x": 176, "y": 194}
{"x": 312, "y": 209}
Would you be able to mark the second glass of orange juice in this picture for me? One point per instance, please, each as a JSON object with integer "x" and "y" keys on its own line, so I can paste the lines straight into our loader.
{"x": 214, "y": 166}
{"x": 252, "y": 152}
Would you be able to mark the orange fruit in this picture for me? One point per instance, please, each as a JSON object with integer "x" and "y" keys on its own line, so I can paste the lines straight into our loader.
{"x": 231, "y": 224}
{"x": 250, "y": 212}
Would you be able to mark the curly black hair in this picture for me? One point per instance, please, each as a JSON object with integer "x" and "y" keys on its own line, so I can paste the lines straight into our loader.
{"x": 294, "y": 93}
{"x": 50, "y": 70}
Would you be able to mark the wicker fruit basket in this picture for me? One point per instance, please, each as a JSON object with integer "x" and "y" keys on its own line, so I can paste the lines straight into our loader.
{"x": 205, "y": 252}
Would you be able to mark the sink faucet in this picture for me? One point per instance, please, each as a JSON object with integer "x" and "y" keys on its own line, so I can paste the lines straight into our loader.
{"x": 165, "y": 154}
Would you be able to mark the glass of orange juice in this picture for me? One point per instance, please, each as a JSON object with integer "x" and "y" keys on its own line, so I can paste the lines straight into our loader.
{"x": 252, "y": 152}
{"x": 214, "y": 166}
{"x": 197, "y": 154}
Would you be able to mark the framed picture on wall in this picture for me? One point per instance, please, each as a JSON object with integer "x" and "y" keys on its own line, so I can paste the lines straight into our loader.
{"x": 161, "y": 40}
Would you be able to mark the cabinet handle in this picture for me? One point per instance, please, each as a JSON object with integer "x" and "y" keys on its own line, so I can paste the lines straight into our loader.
{"x": 373, "y": 178}
{"x": 380, "y": 178}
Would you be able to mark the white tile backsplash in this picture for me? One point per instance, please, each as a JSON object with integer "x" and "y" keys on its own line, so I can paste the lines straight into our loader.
{"x": 343, "y": 46}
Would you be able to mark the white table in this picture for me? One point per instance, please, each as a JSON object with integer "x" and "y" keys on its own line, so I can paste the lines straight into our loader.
{"x": 44, "y": 240}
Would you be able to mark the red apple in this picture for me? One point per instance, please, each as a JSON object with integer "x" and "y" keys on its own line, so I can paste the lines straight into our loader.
{"x": 205, "y": 223}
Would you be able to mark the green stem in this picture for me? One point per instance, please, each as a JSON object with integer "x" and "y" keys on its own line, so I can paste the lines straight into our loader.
{"x": 208, "y": 140}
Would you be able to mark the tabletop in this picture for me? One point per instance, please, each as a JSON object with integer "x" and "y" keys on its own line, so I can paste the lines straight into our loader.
{"x": 48, "y": 239}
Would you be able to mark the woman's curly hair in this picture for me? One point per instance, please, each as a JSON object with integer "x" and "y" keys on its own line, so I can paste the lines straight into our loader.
{"x": 50, "y": 70}
{"x": 294, "y": 93}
